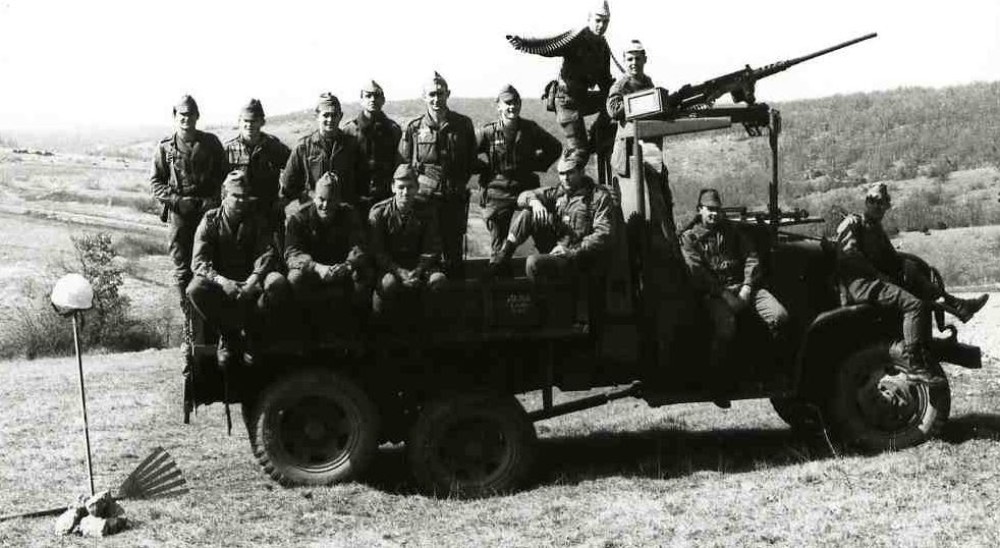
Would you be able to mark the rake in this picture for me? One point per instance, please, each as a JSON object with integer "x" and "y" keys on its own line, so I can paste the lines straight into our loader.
{"x": 157, "y": 476}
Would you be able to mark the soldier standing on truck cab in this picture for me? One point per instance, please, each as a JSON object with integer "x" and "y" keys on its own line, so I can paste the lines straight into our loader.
{"x": 635, "y": 79}
{"x": 515, "y": 149}
{"x": 378, "y": 138}
{"x": 571, "y": 225}
{"x": 186, "y": 177}
{"x": 725, "y": 271}
{"x": 324, "y": 150}
{"x": 440, "y": 146}
{"x": 261, "y": 157}
{"x": 404, "y": 241}
{"x": 871, "y": 270}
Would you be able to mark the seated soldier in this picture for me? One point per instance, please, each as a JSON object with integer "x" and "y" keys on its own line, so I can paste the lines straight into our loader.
{"x": 404, "y": 241}
{"x": 871, "y": 271}
{"x": 725, "y": 271}
{"x": 325, "y": 253}
{"x": 570, "y": 224}
{"x": 233, "y": 262}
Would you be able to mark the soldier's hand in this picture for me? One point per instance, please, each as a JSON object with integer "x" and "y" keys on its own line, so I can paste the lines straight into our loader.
{"x": 745, "y": 293}
{"x": 229, "y": 287}
{"x": 324, "y": 272}
{"x": 734, "y": 302}
{"x": 539, "y": 212}
{"x": 432, "y": 171}
{"x": 410, "y": 279}
{"x": 339, "y": 271}
{"x": 558, "y": 251}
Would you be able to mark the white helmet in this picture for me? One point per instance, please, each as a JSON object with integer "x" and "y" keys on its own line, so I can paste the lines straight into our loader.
{"x": 71, "y": 293}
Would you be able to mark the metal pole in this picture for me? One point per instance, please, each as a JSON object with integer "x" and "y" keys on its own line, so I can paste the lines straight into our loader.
{"x": 83, "y": 400}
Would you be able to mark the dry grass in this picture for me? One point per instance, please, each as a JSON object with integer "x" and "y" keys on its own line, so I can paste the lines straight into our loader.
{"x": 619, "y": 475}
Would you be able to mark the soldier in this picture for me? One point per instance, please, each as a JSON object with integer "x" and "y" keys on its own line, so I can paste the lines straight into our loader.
{"x": 725, "y": 271}
{"x": 188, "y": 169}
{"x": 325, "y": 252}
{"x": 378, "y": 137}
{"x": 235, "y": 281}
{"x": 872, "y": 271}
{"x": 635, "y": 79}
{"x": 324, "y": 150}
{"x": 515, "y": 149}
{"x": 586, "y": 64}
{"x": 571, "y": 224}
{"x": 261, "y": 157}
{"x": 404, "y": 241}
{"x": 440, "y": 145}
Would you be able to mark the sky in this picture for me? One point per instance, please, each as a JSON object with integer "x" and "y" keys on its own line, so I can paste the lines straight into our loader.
{"x": 68, "y": 64}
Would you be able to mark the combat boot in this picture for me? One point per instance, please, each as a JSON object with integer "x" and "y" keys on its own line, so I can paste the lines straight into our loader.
{"x": 499, "y": 265}
{"x": 918, "y": 367}
{"x": 227, "y": 353}
{"x": 967, "y": 308}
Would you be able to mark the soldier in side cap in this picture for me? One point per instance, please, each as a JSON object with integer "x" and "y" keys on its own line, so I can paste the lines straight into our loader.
{"x": 586, "y": 65}
{"x": 235, "y": 282}
{"x": 405, "y": 242}
{"x": 324, "y": 150}
{"x": 261, "y": 157}
{"x": 515, "y": 149}
{"x": 634, "y": 79}
{"x": 186, "y": 177}
{"x": 440, "y": 145}
{"x": 871, "y": 270}
{"x": 726, "y": 273}
{"x": 378, "y": 137}
{"x": 328, "y": 268}
{"x": 571, "y": 224}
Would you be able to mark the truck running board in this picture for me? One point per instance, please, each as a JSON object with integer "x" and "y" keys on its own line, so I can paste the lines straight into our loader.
{"x": 549, "y": 411}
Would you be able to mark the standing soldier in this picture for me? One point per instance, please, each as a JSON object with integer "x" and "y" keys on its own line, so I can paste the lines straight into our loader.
{"x": 186, "y": 177}
{"x": 635, "y": 79}
{"x": 261, "y": 157}
{"x": 515, "y": 149}
{"x": 322, "y": 151}
{"x": 440, "y": 146}
{"x": 586, "y": 64}
{"x": 378, "y": 138}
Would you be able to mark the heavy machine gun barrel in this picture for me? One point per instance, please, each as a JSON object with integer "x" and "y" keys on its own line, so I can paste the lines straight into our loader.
{"x": 740, "y": 84}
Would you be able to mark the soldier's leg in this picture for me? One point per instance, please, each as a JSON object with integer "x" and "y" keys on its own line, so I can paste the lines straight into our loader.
{"x": 917, "y": 280}
{"x": 723, "y": 330}
{"x": 499, "y": 223}
{"x": 387, "y": 290}
{"x": 770, "y": 310}
{"x": 545, "y": 267}
{"x": 451, "y": 216}
{"x": 570, "y": 119}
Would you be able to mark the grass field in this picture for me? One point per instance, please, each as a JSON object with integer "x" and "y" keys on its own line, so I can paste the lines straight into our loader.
{"x": 618, "y": 475}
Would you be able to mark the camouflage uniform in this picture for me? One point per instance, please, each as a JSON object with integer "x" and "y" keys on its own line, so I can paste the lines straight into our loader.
{"x": 262, "y": 164}
{"x": 450, "y": 149}
{"x": 513, "y": 154}
{"x": 314, "y": 155}
{"x": 378, "y": 139}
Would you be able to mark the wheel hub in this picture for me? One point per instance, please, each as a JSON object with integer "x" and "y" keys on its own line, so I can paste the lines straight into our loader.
{"x": 889, "y": 402}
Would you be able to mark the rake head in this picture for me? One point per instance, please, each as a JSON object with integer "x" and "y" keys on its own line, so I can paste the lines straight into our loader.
{"x": 157, "y": 476}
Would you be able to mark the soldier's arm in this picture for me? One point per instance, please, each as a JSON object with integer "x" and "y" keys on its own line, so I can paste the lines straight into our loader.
{"x": 751, "y": 260}
{"x": 293, "y": 177}
{"x": 203, "y": 250}
{"x": 362, "y": 173}
{"x": 159, "y": 179}
{"x": 219, "y": 164}
{"x": 702, "y": 278}
{"x": 615, "y": 104}
{"x": 545, "y": 195}
{"x": 849, "y": 247}
{"x": 600, "y": 238}
{"x": 281, "y": 152}
{"x": 548, "y": 151}
{"x": 296, "y": 257}
{"x": 357, "y": 237}
{"x": 266, "y": 260}
{"x": 430, "y": 245}
{"x": 406, "y": 146}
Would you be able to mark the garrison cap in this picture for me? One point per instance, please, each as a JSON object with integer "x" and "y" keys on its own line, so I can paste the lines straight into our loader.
{"x": 635, "y": 46}
{"x": 601, "y": 9}
{"x": 236, "y": 183}
{"x": 709, "y": 197}
{"x": 404, "y": 172}
{"x": 329, "y": 179}
{"x": 328, "y": 100}
{"x": 253, "y": 109}
{"x": 878, "y": 193}
{"x": 573, "y": 159}
{"x": 372, "y": 86}
{"x": 508, "y": 93}
{"x": 186, "y": 105}
{"x": 435, "y": 81}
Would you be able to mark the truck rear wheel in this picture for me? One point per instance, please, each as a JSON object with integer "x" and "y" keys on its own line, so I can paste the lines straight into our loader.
{"x": 471, "y": 445}
{"x": 314, "y": 427}
{"x": 874, "y": 407}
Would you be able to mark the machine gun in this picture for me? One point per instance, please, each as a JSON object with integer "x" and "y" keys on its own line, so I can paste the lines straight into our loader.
{"x": 739, "y": 84}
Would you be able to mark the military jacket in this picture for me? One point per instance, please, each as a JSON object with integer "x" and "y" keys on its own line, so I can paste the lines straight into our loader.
{"x": 401, "y": 240}
{"x": 586, "y": 62}
{"x": 310, "y": 240}
{"x": 583, "y": 216}
{"x": 262, "y": 164}
{"x": 864, "y": 249}
{"x": 615, "y": 106}
{"x": 182, "y": 169}
{"x": 513, "y": 159}
{"x": 314, "y": 155}
{"x": 720, "y": 257}
{"x": 222, "y": 247}
{"x": 378, "y": 140}
{"x": 450, "y": 146}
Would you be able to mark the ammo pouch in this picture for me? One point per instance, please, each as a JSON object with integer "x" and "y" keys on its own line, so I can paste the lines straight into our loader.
{"x": 549, "y": 95}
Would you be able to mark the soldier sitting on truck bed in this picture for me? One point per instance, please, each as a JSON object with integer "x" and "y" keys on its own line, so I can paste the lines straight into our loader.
{"x": 871, "y": 270}
{"x": 725, "y": 270}
{"x": 571, "y": 224}
{"x": 325, "y": 252}
{"x": 405, "y": 242}
{"x": 234, "y": 279}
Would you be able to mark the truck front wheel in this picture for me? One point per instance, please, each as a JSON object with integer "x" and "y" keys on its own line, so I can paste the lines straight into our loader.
{"x": 314, "y": 427}
{"x": 874, "y": 407}
{"x": 471, "y": 445}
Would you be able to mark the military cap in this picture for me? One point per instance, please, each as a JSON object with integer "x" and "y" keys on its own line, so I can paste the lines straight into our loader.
{"x": 253, "y": 109}
{"x": 435, "y": 81}
{"x": 709, "y": 197}
{"x": 601, "y": 9}
{"x": 236, "y": 183}
{"x": 508, "y": 93}
{"x": 635, "y": 46}
{"x": 328, "y": 100}
{"x": 186, "y": 105}
{"x": 372, "y": 87}
{"x": 573, "y": 159}
{"x": 329, "y": 179}
{"x": 879, "y": 193}
{"x": 404, "y": 172}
